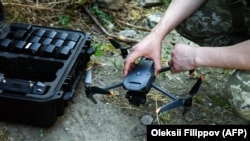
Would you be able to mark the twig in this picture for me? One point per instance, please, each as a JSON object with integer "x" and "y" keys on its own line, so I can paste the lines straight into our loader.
{"x": 138, "y": 27}
{"x": 105, "y": 32}
{"x": 96, "y": 21}
{"x": 157, "y": 116}
{"x": 38, "y": 7}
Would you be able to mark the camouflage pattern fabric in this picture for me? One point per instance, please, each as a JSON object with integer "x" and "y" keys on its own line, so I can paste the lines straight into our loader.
{"x": 211, "y": 26}
{"x": 238, "y": 88}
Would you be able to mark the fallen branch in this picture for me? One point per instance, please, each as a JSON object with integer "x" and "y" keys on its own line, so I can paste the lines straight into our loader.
{"x": 133, "y": 26}
{"x": 35, "y": 6}
{"x": 105, "y": 32}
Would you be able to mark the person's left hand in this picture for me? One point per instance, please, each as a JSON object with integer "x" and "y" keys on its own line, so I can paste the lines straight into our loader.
{"x": 183, "y": 58}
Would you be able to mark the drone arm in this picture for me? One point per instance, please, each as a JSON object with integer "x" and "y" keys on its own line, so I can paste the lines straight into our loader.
{"x": 92, "y": 99}
{"x": 165, "y": 69}
{"x": 117, "y": 45}
{"x": 124, "y": 53}
{"x": 154, "y": 85}
{"x": 114, "y": 86}
{"x": 186, "y": 102}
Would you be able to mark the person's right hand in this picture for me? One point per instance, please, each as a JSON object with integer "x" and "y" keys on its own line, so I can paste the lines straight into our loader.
{"x": 149, "y": 47}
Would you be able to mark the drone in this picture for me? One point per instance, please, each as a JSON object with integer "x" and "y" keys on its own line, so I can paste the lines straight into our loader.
{"x": 139, "y": 82}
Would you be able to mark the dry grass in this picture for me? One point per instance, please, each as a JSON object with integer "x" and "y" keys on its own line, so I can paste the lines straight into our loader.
{"x": 50, "y": 12}
{"x": 46, "y": 13}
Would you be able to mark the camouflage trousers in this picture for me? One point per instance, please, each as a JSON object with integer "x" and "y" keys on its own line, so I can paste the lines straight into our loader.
{"x": 211, "y": 25}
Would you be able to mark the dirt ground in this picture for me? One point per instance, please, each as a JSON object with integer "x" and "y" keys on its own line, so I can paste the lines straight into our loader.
{"x": 113, "y": 118}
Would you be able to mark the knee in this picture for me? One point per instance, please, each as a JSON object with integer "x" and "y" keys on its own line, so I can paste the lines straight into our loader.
{"x": 238, "y": 87}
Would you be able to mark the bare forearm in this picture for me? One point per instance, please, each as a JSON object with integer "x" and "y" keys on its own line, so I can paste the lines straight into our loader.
{"x": 150, "y": 46}
{"x": 177, "y": 11}
{"x": 232, "y": 57}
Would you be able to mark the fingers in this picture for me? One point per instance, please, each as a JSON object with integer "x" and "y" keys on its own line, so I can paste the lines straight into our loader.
{"x": 182, "y": 58}
{"x": 174, "y": 66}
{"x": 157, "y": 65}
{"x": 174, "y": 69}
{"x": 138, "y": 51}
{"x": 129, "y": 63}
{"x": 127, "y": 68}
{"x": 170, "y": 63}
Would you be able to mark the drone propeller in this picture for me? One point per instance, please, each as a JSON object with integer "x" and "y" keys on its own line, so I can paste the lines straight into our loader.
{"x": 88, "y": 77}
{"x": 117, "y": 45}
{"x": 172, "y": 105}
{"x": 196, "y": 87}
{"x": 186, "y": 102}
{"x": 91, "y": 90}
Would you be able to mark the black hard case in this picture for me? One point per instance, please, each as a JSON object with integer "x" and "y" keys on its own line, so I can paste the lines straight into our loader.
{"x": 60, "y": 73}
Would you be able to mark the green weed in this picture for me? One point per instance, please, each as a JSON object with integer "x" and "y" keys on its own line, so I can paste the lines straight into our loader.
{"x": 98, "y": 49}
{"x": 219, "y": 101}
{"x": 107, "y": 19}
{"x": 64, "y": 20}
{"x": 165, "y": 116}
{"x": 167, "y": 2}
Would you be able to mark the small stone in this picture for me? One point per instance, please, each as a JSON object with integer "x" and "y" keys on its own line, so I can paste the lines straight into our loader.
{"x": 147, "y": 120}
{"x": 153, "y": 19}
{"x": 129, "y": 33}
{"x": 66, "y": 129}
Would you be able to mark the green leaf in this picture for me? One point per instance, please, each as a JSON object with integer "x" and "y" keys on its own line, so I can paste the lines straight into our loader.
{"x": 102, "y": 15}
{"x": 98, "y": 52}
{"x": 64, "y": 20}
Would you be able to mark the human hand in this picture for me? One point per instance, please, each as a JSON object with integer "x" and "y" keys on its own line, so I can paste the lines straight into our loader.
{"x": 183, "y": 58}
{"x": 149, "y": 47}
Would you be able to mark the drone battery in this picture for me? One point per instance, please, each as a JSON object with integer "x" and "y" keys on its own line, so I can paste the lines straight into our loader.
{"x": 40, "y": 68}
